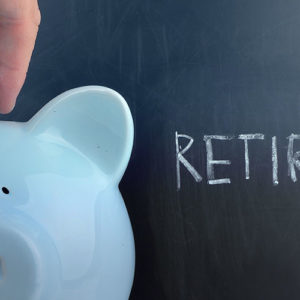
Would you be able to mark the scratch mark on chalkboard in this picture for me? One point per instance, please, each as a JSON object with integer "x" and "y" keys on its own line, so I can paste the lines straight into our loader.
{"x": 120, "y": 58}
{"x": 260, "y": 38}
{"x": 156, "y": 34}
{"x": 115, "y": 32}
{"x": 139, "y": 52}
{"x": 220, "y": 62}
{"x": 282, "y": 23}
{"x": 72, "y": 13}
{"x": 165, "y": 44}
{"x": 109, "y": 14}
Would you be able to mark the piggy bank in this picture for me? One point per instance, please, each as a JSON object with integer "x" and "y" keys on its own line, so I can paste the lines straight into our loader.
{"x": 64, "y": 229}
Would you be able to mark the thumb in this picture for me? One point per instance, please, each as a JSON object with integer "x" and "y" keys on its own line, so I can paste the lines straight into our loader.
{"x": 19, "y": 22}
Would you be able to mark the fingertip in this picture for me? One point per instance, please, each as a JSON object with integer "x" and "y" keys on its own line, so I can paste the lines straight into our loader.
{"x": 7, "y": 105}
{"x": 18, "y": 30}
{"x": 6, "y": 110}
{"x": 10, "y": 87}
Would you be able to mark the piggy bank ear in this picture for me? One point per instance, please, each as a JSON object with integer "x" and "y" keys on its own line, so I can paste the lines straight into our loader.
{"x": 95, "y": 120}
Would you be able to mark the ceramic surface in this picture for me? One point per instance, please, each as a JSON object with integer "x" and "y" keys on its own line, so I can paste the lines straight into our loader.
{"x": 64, "y": 229}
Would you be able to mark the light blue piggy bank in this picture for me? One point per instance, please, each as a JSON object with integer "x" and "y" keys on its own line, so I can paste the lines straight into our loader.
{"x": 64, "y": 229}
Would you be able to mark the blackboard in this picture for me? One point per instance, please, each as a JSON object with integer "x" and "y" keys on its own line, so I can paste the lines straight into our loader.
{"x": 208, "y": 72}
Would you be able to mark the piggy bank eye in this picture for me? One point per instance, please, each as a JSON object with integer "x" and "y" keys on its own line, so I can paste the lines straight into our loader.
{"x": 5, "y": 190}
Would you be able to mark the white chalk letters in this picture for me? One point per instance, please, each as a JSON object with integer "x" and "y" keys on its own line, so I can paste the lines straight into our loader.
{"x": 293, "y": 158}
{"x": 210, "y": 159}
{"x": 181, "y": 159}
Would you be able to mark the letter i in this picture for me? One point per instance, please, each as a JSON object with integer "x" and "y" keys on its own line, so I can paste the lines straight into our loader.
{"x": 274, "y": 161}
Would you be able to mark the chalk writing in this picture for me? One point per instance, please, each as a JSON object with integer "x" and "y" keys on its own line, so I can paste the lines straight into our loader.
{"x": 274, "y": 161}
{"x": 181, "y": 159}
{"x": 293, "y": 158}
{"x": 210, "y": 159}
{"x": 246, "y": 137}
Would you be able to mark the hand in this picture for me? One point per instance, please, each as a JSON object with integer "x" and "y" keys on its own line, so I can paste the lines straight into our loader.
{"x": 19, "y": 23}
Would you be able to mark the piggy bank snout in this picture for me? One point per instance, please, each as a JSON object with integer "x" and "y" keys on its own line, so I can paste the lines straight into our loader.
{"x": 19, "y": 264}
{"x": 26, "y": 257}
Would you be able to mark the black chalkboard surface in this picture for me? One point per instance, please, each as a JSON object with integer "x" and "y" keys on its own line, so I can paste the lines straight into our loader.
{"x": 213, "y": 186}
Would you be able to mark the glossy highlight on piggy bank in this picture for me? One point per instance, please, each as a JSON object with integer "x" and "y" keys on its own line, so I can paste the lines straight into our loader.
{"x": 65, "y": 233}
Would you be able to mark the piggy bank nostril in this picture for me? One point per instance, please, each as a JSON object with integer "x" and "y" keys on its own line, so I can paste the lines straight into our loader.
{"x": 5, "y": 190}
